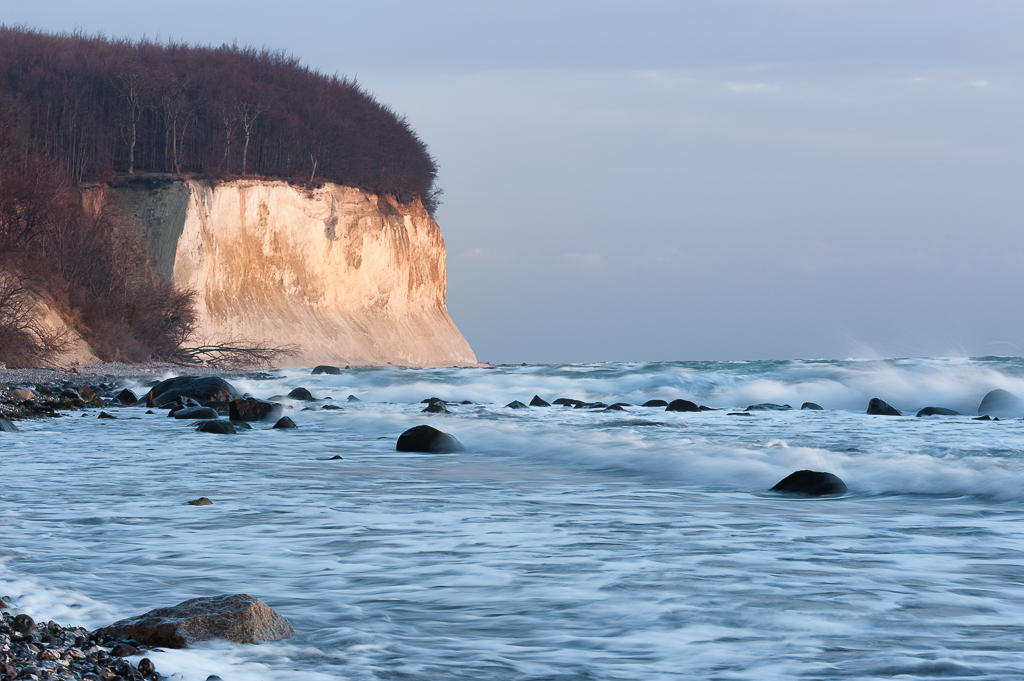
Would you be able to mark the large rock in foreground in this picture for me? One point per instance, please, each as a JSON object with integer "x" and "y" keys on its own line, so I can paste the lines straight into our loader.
{"x": 201, "y": 389}
{"x": 429, "y": 440}
{"x": 1001, "y": 403}
{"x": 252, "y": 409}
{"x": 240, "y": 618}
{"x": 810, "y": 484}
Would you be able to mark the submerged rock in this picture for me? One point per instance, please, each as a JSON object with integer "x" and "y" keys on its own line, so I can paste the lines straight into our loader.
{"x": 217, "y": 426}
{"x": 201, "y": 501}
{"x": 1001, "y": 403}
{"x": 681, "y": 405}
{"x": 516, "y": 404}
{"x": 353, "y": 398}
{"x": 332, "y": 407}
{"x": 196, "y": 413}
{"x": 201, "y": 389}
{"x": 240, "y": 618}
{"x": 105, "y": 415}
{"x": 428, "y": 440}
{"x": 655, "y": 403}
{"x": 810, "y": 484}
{"x": 7, "y": 427}
{"x": 937, "y": 411}
{"x": 537, "y": 402}
{"x": 812, "y": 405}
{"x": 768, "y": 406}
{"x": 881, "y": 408}
{"x": 325, "y": 369}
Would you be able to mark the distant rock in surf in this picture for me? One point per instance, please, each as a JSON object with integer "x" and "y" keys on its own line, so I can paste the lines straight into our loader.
{"x": 810, "y": 484}
{"x": 201, "y": 501}
{"x": 565, "y": 401}
{"x": 239, "y": 618}
{"x": 681, "y": 405}
{"x": 655, "y": 403}
{"x": 812, "y": 405}
{"x": 428, "y": 440}
{"x": 285, "y": 423}
{"x": 301, "y": 394}
{"x": 880, "y": 408}
{"x": 1001, "y": 403}
{"x": 768, "y": 406}
{"x": 937, "y": 411}
{"x": 436, "y": 408}
{"x": 325, "y": 369}
{"x": 516, "y": 404}
{"x": 537, "y": 402}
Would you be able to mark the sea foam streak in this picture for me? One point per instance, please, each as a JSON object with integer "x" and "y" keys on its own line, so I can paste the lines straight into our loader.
{"x": 563, "y": 543}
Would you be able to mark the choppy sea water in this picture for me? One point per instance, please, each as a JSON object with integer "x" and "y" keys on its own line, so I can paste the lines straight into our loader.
{"x": 563, "y": 543}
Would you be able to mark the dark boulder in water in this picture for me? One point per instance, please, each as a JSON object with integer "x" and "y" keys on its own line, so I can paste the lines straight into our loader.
{"x": 126, "y": 398}
{"x": 428, "y": 440}
{"x": 537, "y": 402}
{"x": 615, "y": 407}
{"x": 202, "y": 389}
{"x": 681, "y": 405}
{"x": 567, "y": 402}
{"x": 812, "y": 405}
{"x": 105, "y": 415}
{"x": 655, "y": 403}
{"x": 196, "y": 413}
{"x": 436, "y": 408}
{"x": 810, "y": 484}
{"x": 516, "y": 404}
{"x": 252, "y": 409}
{"x": 768, "y": 406}
{"x": 705, "y": 408}
{"x": 217, "y": 426}
{"x": 432, "y": 400}
{"x": 285, "y": 423}
{"x": 201, "y": 501}
{"x": 937, "y": 411}
{"x": 985, "y": 418}
{"x": 301, "y": 394}
{"x": 239, "y": 618}
{"x": 325, "y": 369}
{"x": 352, "y": 398}
{"x": 332, "y": 407}
{"x": 1001, "y": 403}
{"x": 881, "y": 408}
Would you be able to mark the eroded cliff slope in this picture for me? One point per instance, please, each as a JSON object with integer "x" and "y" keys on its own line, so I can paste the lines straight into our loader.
{"x": 350, "y": 277}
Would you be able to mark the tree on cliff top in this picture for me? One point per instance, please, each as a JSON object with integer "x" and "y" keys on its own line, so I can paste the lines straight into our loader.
{"x": 97, "y": 106}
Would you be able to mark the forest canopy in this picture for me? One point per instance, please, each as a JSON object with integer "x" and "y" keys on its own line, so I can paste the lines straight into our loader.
{"x": 96, "y": 107}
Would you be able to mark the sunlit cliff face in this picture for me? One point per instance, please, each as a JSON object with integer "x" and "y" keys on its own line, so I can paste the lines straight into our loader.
{"x": 350, "y": 277}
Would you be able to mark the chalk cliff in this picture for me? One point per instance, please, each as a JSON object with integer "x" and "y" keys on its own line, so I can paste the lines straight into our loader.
{"x": 350, "y": 277}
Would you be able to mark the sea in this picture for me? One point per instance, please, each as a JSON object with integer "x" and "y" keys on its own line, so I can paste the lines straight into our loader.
{"x": 562, "y": 543}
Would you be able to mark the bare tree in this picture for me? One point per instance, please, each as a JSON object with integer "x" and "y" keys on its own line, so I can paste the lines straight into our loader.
{"x": 247, "y": 115}
{"x": 236, "y": 354}
{"x": 24, "y": 340}
{"x": 132, "y": 83}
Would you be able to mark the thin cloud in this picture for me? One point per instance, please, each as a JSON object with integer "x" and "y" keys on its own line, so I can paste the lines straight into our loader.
{"x": 741, "y": 88}
{"x": 586, "y": 263}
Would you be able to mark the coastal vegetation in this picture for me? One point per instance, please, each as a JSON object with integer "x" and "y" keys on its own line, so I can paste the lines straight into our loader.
{"x": 78, "y": 109}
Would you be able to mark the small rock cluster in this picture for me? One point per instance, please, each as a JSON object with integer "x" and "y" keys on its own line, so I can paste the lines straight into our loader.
{"x": 38, "y": 652}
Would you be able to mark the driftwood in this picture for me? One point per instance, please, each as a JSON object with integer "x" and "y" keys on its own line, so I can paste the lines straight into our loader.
{"x": 235, "y": 354}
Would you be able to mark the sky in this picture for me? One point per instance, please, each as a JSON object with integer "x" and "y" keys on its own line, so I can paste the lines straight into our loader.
{"x": 670, "y": 180}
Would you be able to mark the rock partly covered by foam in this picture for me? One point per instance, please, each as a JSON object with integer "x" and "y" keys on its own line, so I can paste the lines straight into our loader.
{"x": 937, "y": 411}
{"x": 428, "y": 440}
{"x": 1001, "y": 403}
{"x": 810, "y": 484}
{"x": 240, "y": 618}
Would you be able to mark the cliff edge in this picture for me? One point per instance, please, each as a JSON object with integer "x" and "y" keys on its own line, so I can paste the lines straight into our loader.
{"x": 350, "y": 277}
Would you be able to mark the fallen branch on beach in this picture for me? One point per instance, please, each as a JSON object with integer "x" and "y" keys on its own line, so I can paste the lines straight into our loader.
{"x": 235, "y": 354}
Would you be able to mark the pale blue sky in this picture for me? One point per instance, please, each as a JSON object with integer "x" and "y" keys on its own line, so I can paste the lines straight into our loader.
{"x": 655, "y": 180}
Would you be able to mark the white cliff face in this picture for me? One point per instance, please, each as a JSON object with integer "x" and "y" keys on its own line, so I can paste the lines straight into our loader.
{"x": 350, "y": 277}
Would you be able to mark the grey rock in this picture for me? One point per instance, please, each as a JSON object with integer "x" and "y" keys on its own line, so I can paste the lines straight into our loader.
{"x": 217, "y": 426}
{"x": 1001, "y": 403}
{"x": 196, "y": 413}
{"x": 768, "y": 406}
{"x": 812, "y": 405}
{"x": 681, "y": 405}
{"x": 301, "y": 394}
{"x": 516, "y": 404}
{"x": 240, "y": 618}
{"x": 201, "y": 501}
{"x": 538, "y": 402}
{"x": 655, "y": 403}
{"x": 325, "y": 369}
{"x": 285, "y": 423}
{"x": 252, "y": 409}
{"x": 200, "y": 389}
